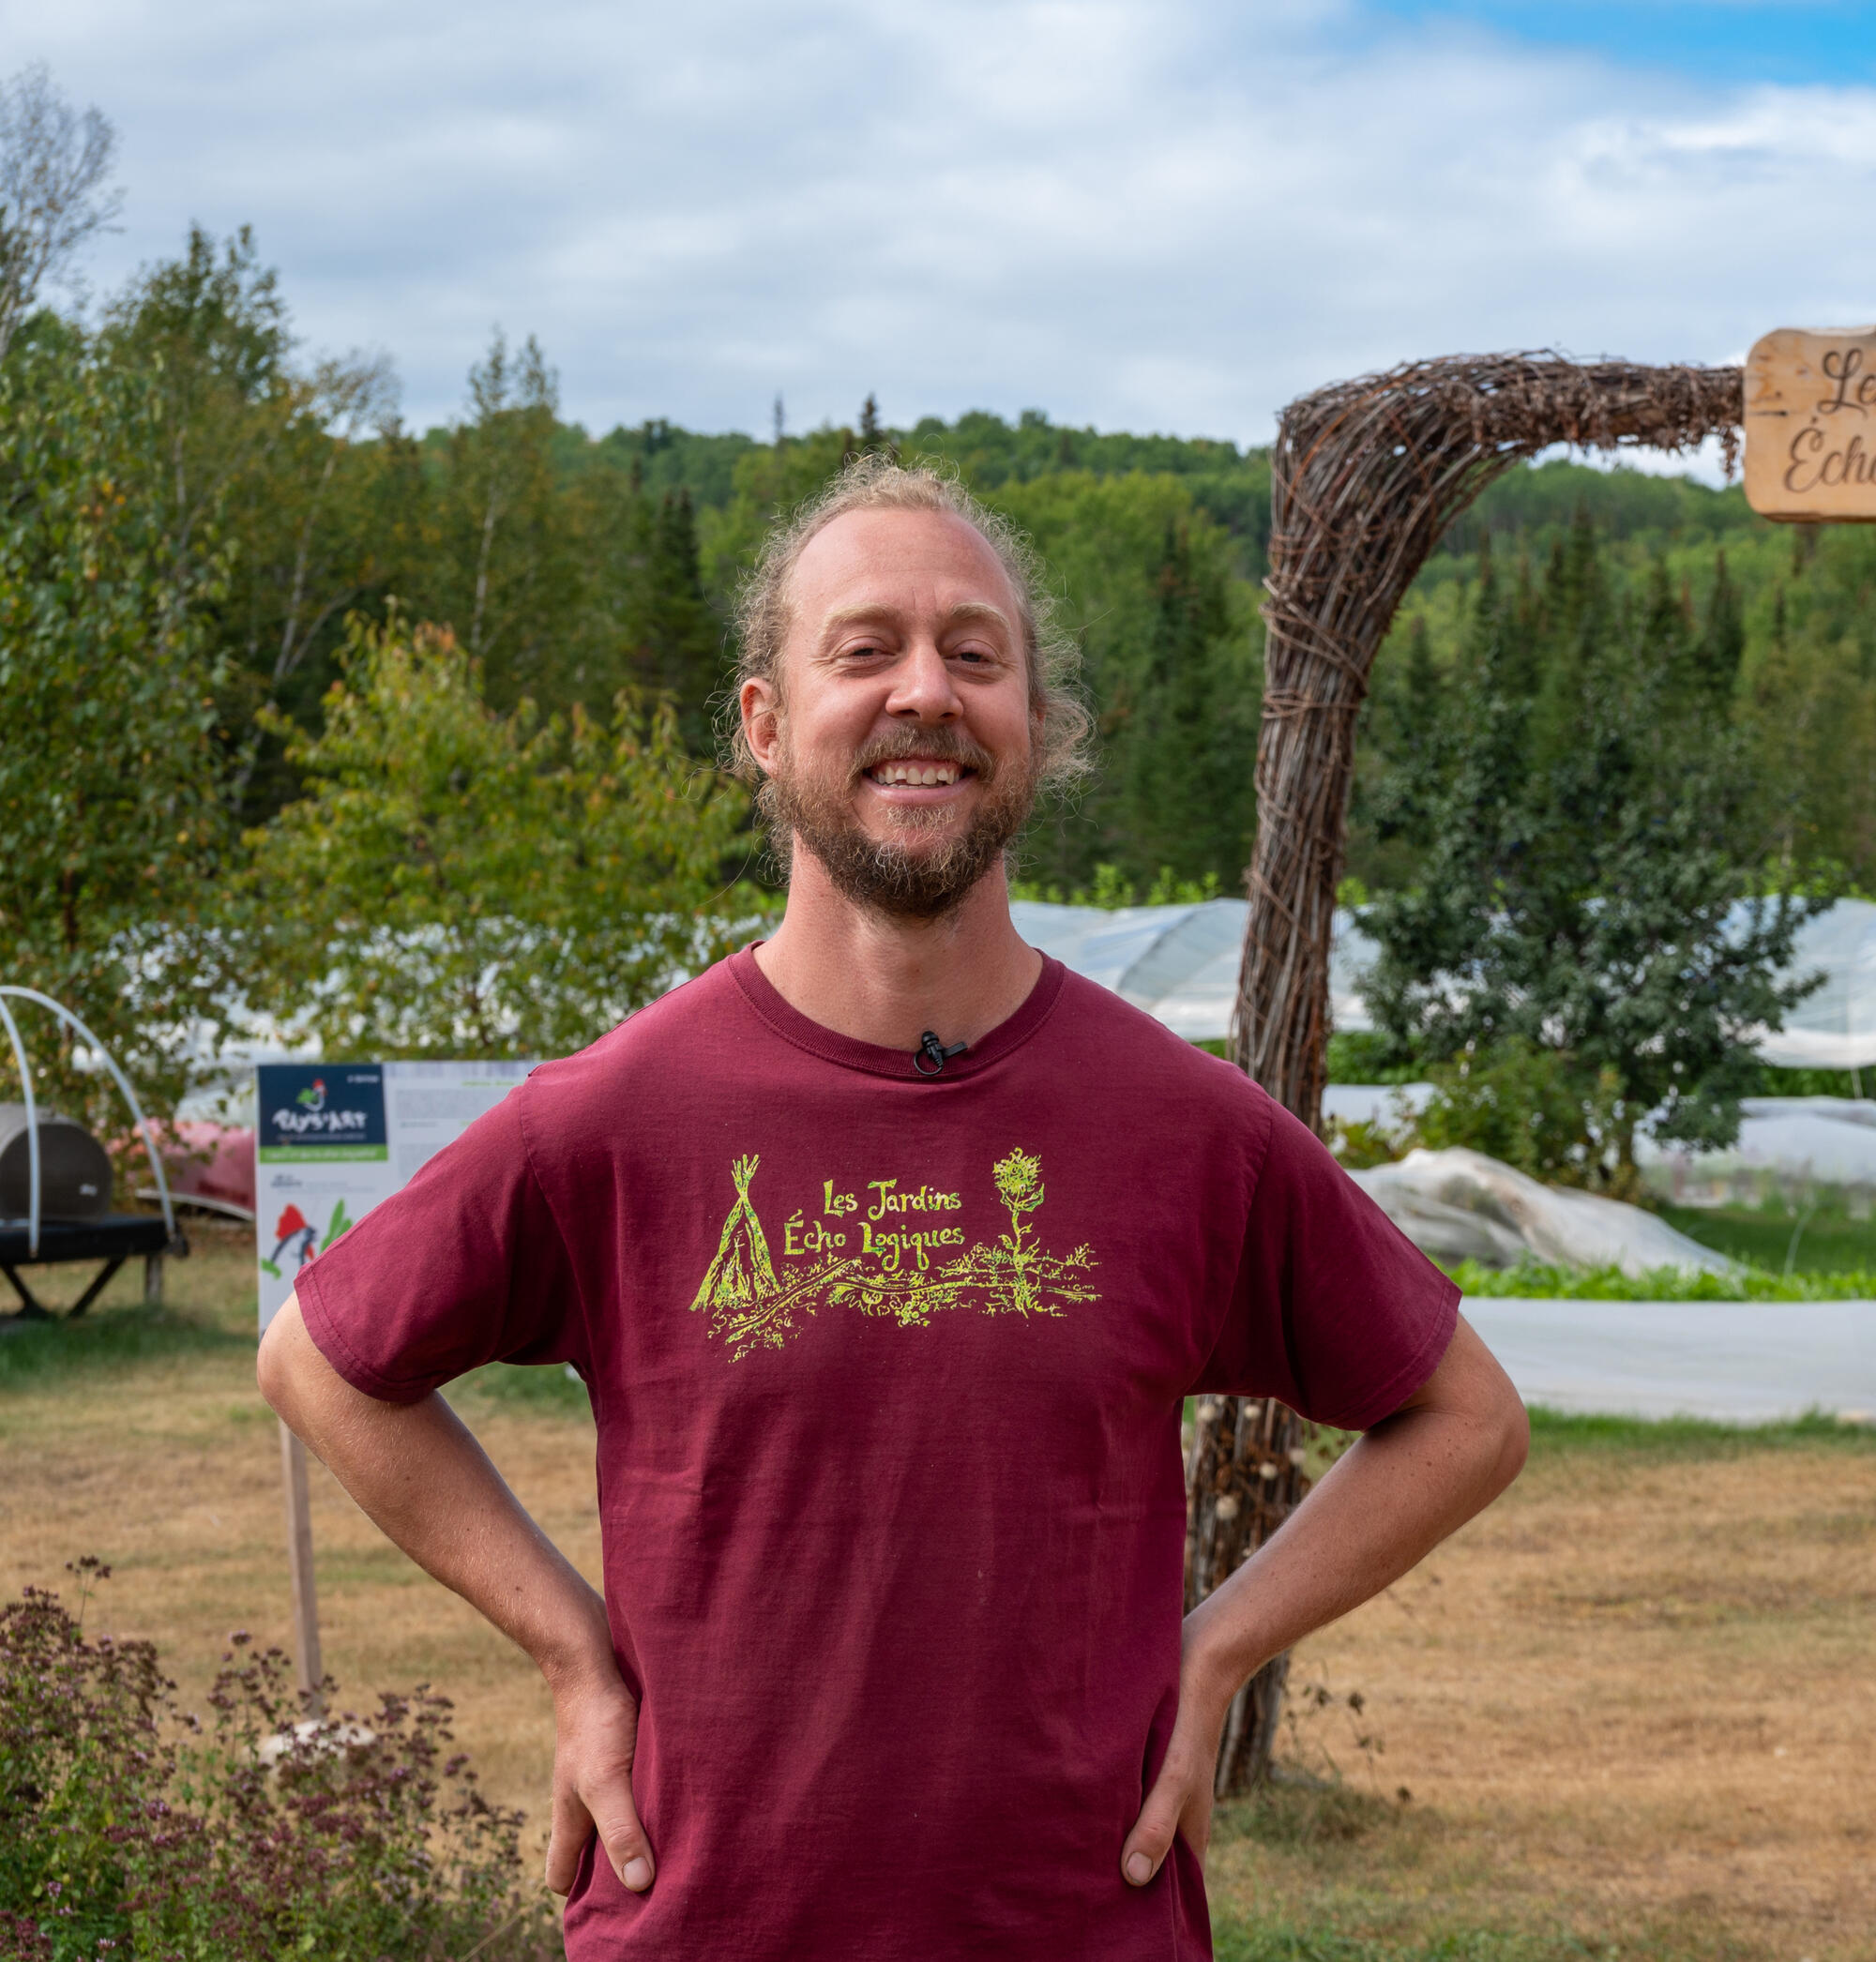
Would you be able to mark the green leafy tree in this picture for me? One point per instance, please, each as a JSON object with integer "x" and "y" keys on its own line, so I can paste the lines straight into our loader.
{"x": 292, "y": 476}
{"x": 504, "y": 565}
{"x": 460, "y": 881}
{"x": 767, "y": 482}
{"x": 210, "y": 331}
{"x": 1231, "y": 487}
{"x": 110, "y": 762}
{"x": 875, "y": 437}
{"x": 1784, "y": 611}
{"x": 556, "y": 568}
{"x": 1530, "y": 1107}
{"x": 1399, "y": 760}
{"x": 1807, "y": 703}
{"x": 1589, "y": 890}
{"x": 669, "y": 457}
{"x": 643, "y": 620}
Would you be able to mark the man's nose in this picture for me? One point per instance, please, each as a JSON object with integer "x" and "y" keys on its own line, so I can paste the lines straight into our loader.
{"x": 922, "y": 685}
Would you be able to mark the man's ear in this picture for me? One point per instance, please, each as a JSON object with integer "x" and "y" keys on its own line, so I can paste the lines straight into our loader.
{"x": 760, "y": 705}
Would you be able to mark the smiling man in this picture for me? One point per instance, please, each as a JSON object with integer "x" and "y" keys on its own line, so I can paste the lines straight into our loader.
{"x": 889, "y": 1252}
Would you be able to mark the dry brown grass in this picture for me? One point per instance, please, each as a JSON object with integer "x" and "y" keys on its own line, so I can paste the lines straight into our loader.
{"x": 1635, "y": 1701}
{"x": 1638, "y": 1694}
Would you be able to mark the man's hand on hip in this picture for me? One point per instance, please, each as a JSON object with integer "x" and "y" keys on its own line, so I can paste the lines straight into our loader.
{"x": 596, "y": 1736}
{"x": 1180, "y": 1799}
{"x": 427, "y": 1483}
{"x": 1446, "y": 1453}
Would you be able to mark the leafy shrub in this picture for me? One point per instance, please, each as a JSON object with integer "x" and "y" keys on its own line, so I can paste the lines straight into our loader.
{"x": 1534, "y": 1109}
{"x": 457, "y": 876}
{"x": 1361, "y": 1142}
{"x": 1538, "y": 1110}
{"x": 127, "y": 1828}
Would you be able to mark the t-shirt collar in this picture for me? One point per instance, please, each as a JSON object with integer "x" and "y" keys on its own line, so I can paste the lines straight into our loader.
{"x": 806, "y": 1034}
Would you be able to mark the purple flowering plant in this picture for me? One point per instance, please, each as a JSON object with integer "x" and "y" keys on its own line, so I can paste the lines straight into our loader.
{"x": 130, "y": 1829}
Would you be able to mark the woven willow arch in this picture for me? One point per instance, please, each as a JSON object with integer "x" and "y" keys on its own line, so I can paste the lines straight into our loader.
{"x": 1366, "y": 475}
{"x": 1364, "y": 479}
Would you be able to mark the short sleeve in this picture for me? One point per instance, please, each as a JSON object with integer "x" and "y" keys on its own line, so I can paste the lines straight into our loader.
{"x": 1335, "y": 1312}
{"x": 464, "y": 1266}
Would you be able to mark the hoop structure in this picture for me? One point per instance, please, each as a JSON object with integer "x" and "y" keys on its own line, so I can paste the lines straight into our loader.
{"x": 123, "y": 1082}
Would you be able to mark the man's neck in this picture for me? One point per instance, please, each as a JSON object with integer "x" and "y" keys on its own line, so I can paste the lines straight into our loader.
{"x": 880, "y": 979}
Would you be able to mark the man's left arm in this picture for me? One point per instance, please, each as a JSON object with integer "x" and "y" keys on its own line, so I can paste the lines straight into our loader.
{"x": 1416, "y": 1477}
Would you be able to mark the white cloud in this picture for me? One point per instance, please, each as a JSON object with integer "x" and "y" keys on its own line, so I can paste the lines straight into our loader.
{"x": 1159, "y": 215}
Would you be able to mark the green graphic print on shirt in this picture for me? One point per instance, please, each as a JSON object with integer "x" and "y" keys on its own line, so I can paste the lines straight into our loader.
{"x": 893, "y": 1253}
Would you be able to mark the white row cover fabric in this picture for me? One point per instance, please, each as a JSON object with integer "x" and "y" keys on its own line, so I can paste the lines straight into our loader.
{"x": 1458, "y": 1204}
{"x": 1739, "y": 1361}
{"x": 1786, "y": 1142}
{"x": 1836, "y": 1027}
{"x": 1180, "y": 963}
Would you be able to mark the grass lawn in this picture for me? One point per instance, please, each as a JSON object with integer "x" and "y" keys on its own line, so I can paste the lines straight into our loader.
{"x": 1826, "y": 1241}
{"x": 1633, "y": 1706}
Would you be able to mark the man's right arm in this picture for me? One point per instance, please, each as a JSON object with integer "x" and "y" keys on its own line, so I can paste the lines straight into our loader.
{"x": 420, "y": 1476}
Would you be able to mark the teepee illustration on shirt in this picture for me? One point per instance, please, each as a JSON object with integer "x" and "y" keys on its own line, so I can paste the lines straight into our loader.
{"x": 897, "y": 1273}
{"x": 742, "y": 1273}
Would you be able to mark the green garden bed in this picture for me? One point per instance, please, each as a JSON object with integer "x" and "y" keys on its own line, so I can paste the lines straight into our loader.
{"x": 1534, "y": 1281}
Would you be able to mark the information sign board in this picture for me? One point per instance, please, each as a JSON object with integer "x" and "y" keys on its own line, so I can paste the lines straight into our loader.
{"x": 333, "y": 1139}
{"x": 1810, "y": 425}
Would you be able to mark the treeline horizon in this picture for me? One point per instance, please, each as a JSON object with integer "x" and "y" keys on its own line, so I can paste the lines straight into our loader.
{"x": 294, "y": 502}
{"x": 1804, "y": 597}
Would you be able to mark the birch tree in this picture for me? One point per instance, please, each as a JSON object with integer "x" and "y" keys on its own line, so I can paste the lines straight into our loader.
{"x": 54, "y": 163}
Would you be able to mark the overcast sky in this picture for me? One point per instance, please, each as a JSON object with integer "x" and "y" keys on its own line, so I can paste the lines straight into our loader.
{"x": 1140, "y": 213}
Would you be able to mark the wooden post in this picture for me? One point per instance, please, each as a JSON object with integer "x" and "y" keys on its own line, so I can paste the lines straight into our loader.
{"x": 307, "y": 1666}
{"x": 1244, "y": 1477}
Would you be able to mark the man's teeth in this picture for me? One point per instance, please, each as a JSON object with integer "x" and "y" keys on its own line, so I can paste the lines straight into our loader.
{"x": 915, "y": 773}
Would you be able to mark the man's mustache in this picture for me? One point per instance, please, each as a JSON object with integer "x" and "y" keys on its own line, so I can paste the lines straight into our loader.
{"x": 939, "y": 745}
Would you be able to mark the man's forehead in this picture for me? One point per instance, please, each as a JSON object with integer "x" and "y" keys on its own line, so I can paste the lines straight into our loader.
{"x": 891, "y": 558}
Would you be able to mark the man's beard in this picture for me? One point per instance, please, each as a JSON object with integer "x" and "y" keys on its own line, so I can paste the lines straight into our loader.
{"x": 889, "y": 875}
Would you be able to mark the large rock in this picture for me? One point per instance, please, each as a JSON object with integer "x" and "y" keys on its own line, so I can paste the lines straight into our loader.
{"x": 1458, "y": 1204}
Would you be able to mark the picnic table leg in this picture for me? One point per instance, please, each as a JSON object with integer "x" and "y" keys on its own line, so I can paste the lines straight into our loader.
{"x": 153, "y": 1281}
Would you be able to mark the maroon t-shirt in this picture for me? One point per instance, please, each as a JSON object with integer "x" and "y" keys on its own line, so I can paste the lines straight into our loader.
{"x": 888, "y": 1374}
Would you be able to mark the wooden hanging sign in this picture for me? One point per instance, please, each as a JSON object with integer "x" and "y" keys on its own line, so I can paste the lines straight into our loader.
{"x": 1810, "y": 426}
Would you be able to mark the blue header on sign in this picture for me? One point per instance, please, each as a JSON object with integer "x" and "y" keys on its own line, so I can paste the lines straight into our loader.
{"x": 320, "y": 1103}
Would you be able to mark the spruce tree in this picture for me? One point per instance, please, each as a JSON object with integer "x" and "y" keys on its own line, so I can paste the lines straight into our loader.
{"x": 1589, "y": 889}
{"x": 680, "y": 639}
{"x": 1185, "y": 799}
